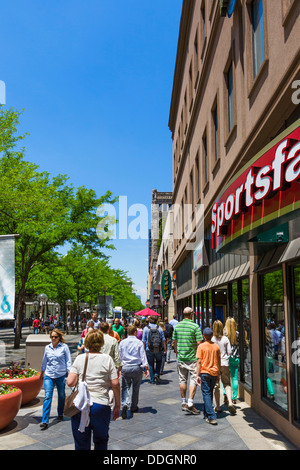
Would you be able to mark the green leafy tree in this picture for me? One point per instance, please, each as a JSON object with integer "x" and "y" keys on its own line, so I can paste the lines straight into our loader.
{"x": 44, "y": 211}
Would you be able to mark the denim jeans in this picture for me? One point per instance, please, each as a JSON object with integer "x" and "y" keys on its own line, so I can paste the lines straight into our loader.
{"x": 49, "y": 385}
{"x": 131, "y": 381}
{"x": 154, "y": 362}
{"x": 99, "y": 426}
{"x": 169, "y": 349}
{"x": 208, "y": 383}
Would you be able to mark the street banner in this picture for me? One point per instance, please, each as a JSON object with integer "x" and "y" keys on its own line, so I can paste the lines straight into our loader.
{"x": 7, "y": 277}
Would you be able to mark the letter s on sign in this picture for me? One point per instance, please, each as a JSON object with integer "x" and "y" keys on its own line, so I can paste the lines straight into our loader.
{"x": 214, "y": 218}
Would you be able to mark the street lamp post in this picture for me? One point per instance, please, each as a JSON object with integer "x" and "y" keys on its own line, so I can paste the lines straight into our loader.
{"x": 43, "y": 299}
{"x": 69, "y": 304}
{"x": 36, "y": 305}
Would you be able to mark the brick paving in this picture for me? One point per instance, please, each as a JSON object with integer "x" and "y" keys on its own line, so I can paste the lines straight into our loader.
{"x": 159, "y": 424}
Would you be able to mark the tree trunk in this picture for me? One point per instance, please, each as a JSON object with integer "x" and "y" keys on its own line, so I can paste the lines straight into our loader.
{"x": 19, "y": 310}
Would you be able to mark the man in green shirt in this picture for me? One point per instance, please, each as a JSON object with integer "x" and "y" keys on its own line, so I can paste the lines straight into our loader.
{"x": 118, "y": 328}
{"x": 187, "y": 336}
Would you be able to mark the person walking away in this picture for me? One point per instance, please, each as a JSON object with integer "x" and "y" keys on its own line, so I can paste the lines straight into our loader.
{"x": 125, "y": 326}
{"x": 111, "y": 347}
{"x": 139, "y": 330}
{"x": 174, "y": 321}
{"x": 113, "y": 333}
{"x": 35, "y": 326}
{"x": 208, "y": 373}
{"x": 164, "y": 353}
{"x": 169, "y": 336}
{"x": 55, "y": 367}
{"x": 187, "y": 336}
{"x": 68, "y": 325}
{"x": 234, "y": 360}
{"x": 47, "y": 325}
{"x": 101, "y": 374}
{"x": 90, "y": 324}
{"x": 154, "y": 342}
{"x": 134, "y": 360}
{"x": 225, "y": 378}
{"x": 118, "y": 328}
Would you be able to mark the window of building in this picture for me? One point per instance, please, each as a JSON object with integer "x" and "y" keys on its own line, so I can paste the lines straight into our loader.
{"x": 196, "y": 57}
{"x": 192, "y": 189}
{"x": 215, "y": 132}
{"x": 197, "y": 180}
{"x": 257, "y": 35}
{"x": 273, "y": 333}
{"x": 185, "y": 112}
{"x": 247, "y": 357}
{"x": 295, "y": 343}
{"x": 205, "y": 158}
{"x": 191, "y": 84}
{"x": 203, "y": 23}
{"x": 230, "y": 97}
{"x": 240, "y": 311}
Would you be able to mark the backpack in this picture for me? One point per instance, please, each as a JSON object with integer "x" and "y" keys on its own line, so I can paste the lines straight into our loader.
{"x": 154, "y": 340}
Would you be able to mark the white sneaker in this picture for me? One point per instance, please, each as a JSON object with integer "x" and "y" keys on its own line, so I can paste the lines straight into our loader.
{"x": 211, "y": 421}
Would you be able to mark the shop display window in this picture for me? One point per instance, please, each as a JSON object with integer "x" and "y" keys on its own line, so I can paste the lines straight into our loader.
{"x": 275, "y": 385}
{"x": 247, "y": 357}
{"x": 295, "y": 344}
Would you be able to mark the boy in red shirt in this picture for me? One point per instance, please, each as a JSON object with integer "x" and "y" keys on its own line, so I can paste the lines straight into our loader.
{"x": 208, "y": 373}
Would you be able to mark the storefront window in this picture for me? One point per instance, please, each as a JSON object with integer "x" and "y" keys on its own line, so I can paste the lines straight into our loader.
{"x": 247, "y": 333}
{"x": 275, "y": 382}
{"x": 296, "y": 336}
{"x": 235, "y": 304}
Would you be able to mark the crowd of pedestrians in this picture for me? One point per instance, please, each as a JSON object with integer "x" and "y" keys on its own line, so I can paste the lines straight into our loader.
{"x": 113, "y": 358}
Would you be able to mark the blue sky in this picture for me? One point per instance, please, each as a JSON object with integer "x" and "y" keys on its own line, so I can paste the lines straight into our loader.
{"x": 95, "y": 79}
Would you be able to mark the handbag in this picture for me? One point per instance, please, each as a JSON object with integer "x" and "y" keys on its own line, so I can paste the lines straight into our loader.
{"x": 69, "y": 407}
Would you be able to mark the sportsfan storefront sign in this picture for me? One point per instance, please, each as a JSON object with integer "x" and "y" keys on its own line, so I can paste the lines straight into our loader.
{"x": 264, "y": 194}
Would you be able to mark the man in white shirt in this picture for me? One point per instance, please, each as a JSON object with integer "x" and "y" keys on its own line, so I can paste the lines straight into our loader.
{"x": 174, "y": 321}
{"x": 134, "y": 360}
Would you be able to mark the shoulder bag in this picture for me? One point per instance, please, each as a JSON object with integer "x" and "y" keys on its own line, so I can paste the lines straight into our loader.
{"x": 69, "y": 408}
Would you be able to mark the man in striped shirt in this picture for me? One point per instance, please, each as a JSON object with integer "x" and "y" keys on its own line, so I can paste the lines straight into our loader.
{"x": 187, "y": 336}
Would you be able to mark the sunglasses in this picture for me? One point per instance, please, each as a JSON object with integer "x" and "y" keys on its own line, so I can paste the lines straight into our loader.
{"x": 54, "y": 337}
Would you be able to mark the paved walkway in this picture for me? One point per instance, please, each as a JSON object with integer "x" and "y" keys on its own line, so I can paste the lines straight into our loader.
{"x": 159, "y": 425}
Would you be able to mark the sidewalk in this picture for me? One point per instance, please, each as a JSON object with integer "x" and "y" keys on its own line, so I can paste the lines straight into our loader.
{"x": 159, "y": 424}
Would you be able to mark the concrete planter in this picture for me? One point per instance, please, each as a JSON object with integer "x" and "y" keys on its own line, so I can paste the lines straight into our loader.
{"x": 10, "y": 404}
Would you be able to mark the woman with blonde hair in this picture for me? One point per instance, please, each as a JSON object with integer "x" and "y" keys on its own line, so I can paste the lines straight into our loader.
{"x": 234, "y": 360}
{"x": 101, "y": 374}
{"x": 223, "y": 342}
{"x": 55, "y": 367}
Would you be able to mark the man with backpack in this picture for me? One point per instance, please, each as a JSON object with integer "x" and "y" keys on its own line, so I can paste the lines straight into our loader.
{"x": 155, "y": 343}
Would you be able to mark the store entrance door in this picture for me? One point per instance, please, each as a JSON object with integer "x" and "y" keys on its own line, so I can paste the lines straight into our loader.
{"x": 221, "y": 304}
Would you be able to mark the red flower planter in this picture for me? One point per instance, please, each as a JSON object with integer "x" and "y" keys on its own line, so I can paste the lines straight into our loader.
{"x": 30, "y": 387}
{"x": 9, "y": 407}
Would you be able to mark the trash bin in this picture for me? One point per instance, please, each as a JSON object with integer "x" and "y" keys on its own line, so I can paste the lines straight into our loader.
{"x": 35, "y": 345}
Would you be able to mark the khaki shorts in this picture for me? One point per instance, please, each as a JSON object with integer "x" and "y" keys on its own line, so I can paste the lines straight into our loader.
{"x": 225, "y": 377}
{"x": 186, "y": 369}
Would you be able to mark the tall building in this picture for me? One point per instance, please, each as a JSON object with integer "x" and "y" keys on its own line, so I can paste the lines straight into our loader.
{"x": 234, "y": 118}
{"x": 161, "y": 203}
